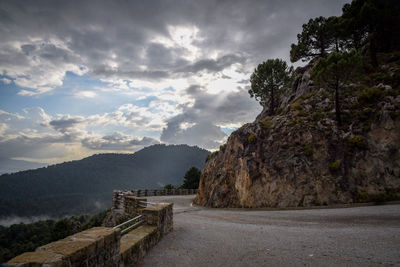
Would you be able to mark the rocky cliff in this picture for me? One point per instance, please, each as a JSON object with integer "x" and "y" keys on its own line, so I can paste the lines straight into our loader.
{"x": 299, "y": 157}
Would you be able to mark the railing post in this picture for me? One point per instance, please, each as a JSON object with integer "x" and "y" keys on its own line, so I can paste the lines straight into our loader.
{"x": 146, "y": 192}
{"x": 155, "y": 192}
{"x": 139, "y": 193}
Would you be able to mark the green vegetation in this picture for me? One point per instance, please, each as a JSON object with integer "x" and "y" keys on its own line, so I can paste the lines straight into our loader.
{"x": 222, "y": 147}
{"x": 335, "y": 71}
{"x": 169, "y": 187}
{"x": 269, "y": 81}
{"x": 191, "y": 179}
{"x": 266, "y": 123}
{"x": 315, "y": 40}
{"x": 355, "y": 57}
{"x": 357, "y": 141}
{"x": 85, "y": 186}
{"x": 367, "y": 24}
{"x": 374, "y": 24}
{"x": 334, "y": 166}
{"x": 210, "y": 156}
{"x": 20, "y": 238}
{"x": 370, "y": 96}
{"x": 308, "y": 151}
{"x": 251, "y": 138}
{"x": 390, "y": 194}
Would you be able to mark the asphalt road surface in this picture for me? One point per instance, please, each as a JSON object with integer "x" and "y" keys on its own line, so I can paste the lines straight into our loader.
{"x": 357, "y": 236}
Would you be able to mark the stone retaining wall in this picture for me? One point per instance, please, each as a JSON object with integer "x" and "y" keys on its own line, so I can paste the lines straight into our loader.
{"x": 97, "y": 246}
{"x": 131, "y": 205}
{"x": 103, "y": 246}
{"x": 159, "y": 215}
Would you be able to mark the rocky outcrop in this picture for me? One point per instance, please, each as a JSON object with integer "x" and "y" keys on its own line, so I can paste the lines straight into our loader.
{"x": 300, "y": 157}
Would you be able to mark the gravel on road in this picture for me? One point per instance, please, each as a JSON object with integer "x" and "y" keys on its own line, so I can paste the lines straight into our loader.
{"x": 356, "y": 236}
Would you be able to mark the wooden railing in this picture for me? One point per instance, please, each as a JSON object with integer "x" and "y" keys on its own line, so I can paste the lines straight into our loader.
{"x": 163, "y": 192}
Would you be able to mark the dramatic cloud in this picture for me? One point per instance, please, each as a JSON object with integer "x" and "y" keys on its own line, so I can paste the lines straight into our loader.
{"x": 36, "y": 136}
{"x": 120, "y": 75}
{"x": 117, "y": 141}
{"x": 41, "y": 40}
{"x": 199, "y": 119}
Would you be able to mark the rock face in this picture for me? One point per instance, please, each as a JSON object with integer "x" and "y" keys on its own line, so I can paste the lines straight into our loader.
{"x": 300, "y": 157}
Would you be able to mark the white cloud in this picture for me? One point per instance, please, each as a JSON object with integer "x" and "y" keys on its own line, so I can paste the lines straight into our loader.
{"x": 5, "y": 80}
{"x": 117, "y": 141}
{"x": 39, "y": 66}
{"x": 191, "y": 59}
{"x": 37, "y": 136}
{"x": 85, "y": 94}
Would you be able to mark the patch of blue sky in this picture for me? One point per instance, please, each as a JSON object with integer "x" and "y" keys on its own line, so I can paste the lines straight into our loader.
{"x": 169, "y": 89}
{"x": 228, "y": 131}
{"x": 65, "y": 99}
{"x": 145, "y": 102}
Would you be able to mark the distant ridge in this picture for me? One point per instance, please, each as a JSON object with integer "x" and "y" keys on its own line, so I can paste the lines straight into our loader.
{"x": 85, "y": 186}
{"x": 12, "y": 165}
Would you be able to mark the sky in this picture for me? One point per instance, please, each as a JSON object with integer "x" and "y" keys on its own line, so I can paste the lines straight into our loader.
{"x": 84, "y": 77}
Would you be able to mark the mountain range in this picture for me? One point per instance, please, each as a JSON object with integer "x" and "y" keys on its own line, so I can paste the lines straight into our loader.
{"x": 85, "y": 186}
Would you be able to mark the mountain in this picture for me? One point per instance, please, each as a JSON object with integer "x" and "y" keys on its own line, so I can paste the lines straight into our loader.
{"x": 11, "y": 165}
{"x": 301, "y": 157}
{"x": 86, "y": 185}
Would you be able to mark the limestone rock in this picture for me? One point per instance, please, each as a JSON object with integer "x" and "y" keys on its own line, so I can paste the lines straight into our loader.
{"x": 300, "y": 157}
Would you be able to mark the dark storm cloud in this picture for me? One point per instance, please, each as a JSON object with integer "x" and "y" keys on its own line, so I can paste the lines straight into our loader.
{"x": 123, "y": 31}
{"x": 33, "y": 146}
{"x": 107, "y": 71}
{"x": 42, "y": 40}
{"x": 159, "y": 56}
{"x": 65, "y": 123}
{"x": 211, "y": 65}
{"x": 205, "y": 114}
{"x": 28, "y": 48}
{"x": 117, "y": 141}
{"x": 203, "y": 133}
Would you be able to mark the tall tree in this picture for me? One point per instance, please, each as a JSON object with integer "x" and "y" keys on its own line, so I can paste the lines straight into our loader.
{"x": 354, "y": 32}
{"x": 268, "y": 81}
{"x": 334, "y": 72}
{"x": 191, "y": 179}
{"x": 374, "y": 22}
{"x": 315, "y": 40}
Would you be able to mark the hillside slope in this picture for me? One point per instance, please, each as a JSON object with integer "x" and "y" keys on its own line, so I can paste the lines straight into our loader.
{"x": 86, "y": 185}
{"x": 11, "y": 166}
{"x": 300, "y": 157}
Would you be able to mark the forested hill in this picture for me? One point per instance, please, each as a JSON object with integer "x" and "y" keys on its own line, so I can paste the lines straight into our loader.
{"x": 86, "y": 185}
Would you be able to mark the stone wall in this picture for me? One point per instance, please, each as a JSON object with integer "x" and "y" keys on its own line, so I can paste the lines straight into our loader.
{"x": 97, "y": 246}
{"x": 103, "y": 246}
{"x": 118, "y": 200}
{"x": 118, "y": 194}
{"x": 161, "y": 216}
{"x": 132, "y": 206}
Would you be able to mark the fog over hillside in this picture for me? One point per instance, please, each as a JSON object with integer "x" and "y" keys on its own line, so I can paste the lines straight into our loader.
{"x": 85, "y": 186}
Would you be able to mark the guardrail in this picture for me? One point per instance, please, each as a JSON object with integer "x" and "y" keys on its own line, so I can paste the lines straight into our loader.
{"x": 138, "y": 221}
{"x": 163, "y": 192}
{"x": 104, "y": 246}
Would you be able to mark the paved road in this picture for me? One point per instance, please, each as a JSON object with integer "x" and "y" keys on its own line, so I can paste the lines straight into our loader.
{"x": 359, "y": 236}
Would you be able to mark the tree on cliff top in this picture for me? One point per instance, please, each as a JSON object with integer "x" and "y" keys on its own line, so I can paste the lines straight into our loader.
{"x": 375, "y": 23}
{"x": 269, "y": 81}
{"x": 315, "y": 40}
{"x": 334, "y": 72}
